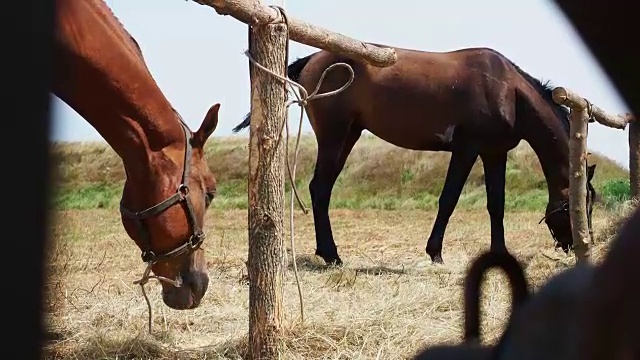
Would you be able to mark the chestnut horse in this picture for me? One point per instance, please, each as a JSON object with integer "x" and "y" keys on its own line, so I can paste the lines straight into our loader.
{"x": 470, "y": 102}
{"x": 100, "y": 72}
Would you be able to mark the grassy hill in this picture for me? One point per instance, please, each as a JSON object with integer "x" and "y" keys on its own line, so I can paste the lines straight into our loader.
{"x": 377, "y": 175}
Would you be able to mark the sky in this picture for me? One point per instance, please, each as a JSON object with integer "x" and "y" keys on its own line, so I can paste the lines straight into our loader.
{"x": 196, "y": 56}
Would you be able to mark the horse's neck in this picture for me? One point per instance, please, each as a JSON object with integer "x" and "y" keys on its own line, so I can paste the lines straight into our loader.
{"x": 551, "y": 146}
{"x": 101, "y": 75}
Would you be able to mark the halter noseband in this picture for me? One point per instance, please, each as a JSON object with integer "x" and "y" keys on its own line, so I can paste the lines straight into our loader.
{"x": 181, "y": 195}
{"x": 563, "y": 207}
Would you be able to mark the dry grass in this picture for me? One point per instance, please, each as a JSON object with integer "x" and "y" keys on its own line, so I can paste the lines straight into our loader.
{"x": 386, "y": 303}
{"x": 609, "y": 228}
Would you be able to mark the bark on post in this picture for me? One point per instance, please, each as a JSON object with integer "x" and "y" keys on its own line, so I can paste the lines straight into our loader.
{"x": 634, "y": 158}
{"x": 579, "y": 120}
{"x": 255, "y": 13}
{"x": 266, "y": 191}
{"x": 564, "y": 96}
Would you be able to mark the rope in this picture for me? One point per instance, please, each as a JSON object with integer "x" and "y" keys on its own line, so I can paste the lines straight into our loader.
{"x": 590, "y": 115}
{"x": 301, "y": 100}
{"x": 146, "y": 276}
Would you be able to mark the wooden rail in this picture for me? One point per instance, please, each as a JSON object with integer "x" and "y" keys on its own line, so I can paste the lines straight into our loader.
{"x": 255, "y": 13}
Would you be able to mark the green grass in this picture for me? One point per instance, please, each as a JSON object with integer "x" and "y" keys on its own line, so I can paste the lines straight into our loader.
{"x": 616, "y": 191}
{"x": 89, "y": 196}
{"x": 377, "y": 175}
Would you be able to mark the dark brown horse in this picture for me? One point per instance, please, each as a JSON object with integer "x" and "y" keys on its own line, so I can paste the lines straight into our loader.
{"x": 100, "y": 72}
{"x": 471, "y": 102}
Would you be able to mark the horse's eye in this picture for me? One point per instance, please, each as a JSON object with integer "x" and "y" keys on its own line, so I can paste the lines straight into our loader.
{"x": 208, "y": 197}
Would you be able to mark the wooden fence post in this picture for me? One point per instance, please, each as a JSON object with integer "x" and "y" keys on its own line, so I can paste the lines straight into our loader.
{"x": 634, "y": 158}
{"x": 578, "y": 183}
{"x": 267, "y": 46}
{"x": 266, "y": 256}
{"x": 579, "y": 122}
{"x": 582, "y": 111}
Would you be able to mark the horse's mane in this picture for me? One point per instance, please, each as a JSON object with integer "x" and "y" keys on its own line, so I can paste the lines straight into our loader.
{"x": 110, "y": 12}
{"x": 546, "y": 91}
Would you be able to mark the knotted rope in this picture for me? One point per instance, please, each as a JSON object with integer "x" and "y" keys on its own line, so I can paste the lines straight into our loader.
{"x": 301, "y": 100}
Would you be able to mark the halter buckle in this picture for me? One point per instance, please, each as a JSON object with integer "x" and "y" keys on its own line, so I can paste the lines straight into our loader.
{"x": 196, "y": 240}
{"x": 183, "y": 189}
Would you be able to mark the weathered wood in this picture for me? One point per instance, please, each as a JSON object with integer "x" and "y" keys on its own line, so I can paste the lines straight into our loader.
{"x": 255, "y": 13}
{"x": 634, "y": 158}
{"x": 564, "y": 96}
{"x": 578, "y": 182}
{"x": 579, "y": 120}
{"x": 266, "y": 258}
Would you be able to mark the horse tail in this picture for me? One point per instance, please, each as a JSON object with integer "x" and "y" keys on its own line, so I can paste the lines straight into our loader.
{"x": 473, "y": 281}
{"x": 293, "y": 72}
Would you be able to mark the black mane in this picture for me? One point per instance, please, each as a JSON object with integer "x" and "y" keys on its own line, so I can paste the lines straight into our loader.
{"x": 546, "y": 91}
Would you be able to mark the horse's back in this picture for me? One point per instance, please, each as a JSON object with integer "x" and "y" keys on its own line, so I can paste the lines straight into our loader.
{"x": 426, "y": 94}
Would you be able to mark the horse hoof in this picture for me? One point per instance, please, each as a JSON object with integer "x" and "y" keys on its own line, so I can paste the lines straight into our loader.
{"x": 437, "y": 259}
{"x": 436, "y": 256}
{"x": 330, "y": 260}
{"x": 333, "y": 261}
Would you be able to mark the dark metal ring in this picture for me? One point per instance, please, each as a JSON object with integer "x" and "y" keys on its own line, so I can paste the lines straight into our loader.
{"x": 183, "y": 189}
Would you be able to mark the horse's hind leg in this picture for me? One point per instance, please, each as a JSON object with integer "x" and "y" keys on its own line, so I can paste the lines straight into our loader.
{"x": 334, "y": 147}
{"x": 463, "y": 156}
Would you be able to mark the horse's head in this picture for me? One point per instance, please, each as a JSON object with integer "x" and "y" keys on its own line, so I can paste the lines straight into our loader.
{"x": 167, "y": 220}
{"x": 557, "y": 215}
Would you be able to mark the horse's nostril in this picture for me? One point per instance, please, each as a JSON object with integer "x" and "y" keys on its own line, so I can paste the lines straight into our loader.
{"x": 188, "y": 279}
{"x": 197, "y": 282}
{"x": 185, "y": 280}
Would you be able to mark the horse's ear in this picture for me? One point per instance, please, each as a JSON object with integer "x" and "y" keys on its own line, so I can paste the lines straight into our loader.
{"x": 207, "y": 127}
{"x": 591, "y": 169}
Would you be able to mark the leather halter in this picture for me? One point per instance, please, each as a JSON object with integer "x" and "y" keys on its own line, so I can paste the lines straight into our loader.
{"x": 564, "y": 207}
{"x": 181, "y": 196}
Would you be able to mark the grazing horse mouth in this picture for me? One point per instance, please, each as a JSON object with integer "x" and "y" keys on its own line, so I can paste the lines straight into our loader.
{"x": 189, "y": 303}
{"x": 189, "y": 293}
{"x": 183, "y": 298}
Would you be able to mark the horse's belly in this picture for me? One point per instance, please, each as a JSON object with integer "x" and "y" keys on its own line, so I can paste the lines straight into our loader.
{"x": 415, "y": 134}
